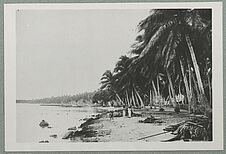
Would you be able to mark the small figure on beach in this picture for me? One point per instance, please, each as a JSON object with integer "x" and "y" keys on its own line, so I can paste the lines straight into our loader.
{"x": 124, "y": 111}
{"x": 130, "y": 112}
{"x": 43, "y": 124}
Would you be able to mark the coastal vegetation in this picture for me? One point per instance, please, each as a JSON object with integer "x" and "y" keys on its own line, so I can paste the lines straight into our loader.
{"x": 170, "y": 63}
{"x": 169, "y": 66}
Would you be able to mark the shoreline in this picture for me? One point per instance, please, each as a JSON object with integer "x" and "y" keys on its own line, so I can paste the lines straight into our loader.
{"x": 100, "y": 128}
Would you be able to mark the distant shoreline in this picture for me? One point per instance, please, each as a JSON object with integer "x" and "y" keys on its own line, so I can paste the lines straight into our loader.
{"x": 61, "y": 105}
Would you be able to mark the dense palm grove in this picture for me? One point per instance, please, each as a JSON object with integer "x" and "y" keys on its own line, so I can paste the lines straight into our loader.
{"x": 170, "y": 64}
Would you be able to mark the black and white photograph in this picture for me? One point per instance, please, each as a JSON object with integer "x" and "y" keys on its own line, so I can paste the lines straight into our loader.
{"x": 109, "y": 75}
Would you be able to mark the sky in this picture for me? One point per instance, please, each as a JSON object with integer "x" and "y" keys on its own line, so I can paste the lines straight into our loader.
{"x": 65, "y": 52}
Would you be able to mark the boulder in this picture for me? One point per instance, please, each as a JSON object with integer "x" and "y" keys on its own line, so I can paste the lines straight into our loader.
{"x": 43, "y": 124}
{"x": 54, "y": 136}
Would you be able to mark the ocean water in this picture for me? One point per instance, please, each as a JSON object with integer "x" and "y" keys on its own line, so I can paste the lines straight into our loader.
{"x": 59, "y": 118}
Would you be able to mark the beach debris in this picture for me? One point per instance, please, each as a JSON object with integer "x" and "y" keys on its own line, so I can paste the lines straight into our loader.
{"x": 161, "y": 109}
{"x": 177, "y": 109}
{"x": 104, "y": 132}
{"x": 111, "y": 115}
{"x": 151, "y": 119}
{"x": 54, "y": 135}
{"x": 89, "y": 133}
{"x": 49, "y": 127}
{"x": 90, "y": 139}
{"x": 136, "y": 114}
{"x": 72, "y": 128}
{"x": 118, "y": 113}
{"x": 197, "y": 128}
{"x": 68, "y": 135}
{"x": 89, "y": 121}
{"x": 43, "y": 124}
{"x": 44, "y": 141}
{"x": 85, "y": 130}
{"x": 172, "y": 128}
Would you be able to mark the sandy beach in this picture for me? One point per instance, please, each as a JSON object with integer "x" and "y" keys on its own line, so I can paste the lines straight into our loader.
{"x": 124, "y": 129}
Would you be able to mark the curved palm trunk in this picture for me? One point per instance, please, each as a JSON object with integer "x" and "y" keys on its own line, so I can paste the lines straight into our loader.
{"x": 141, "y": 101}
{"x": 190, "y": 86}
{"x": 170, "y": 96}
{"x": 155, "y": 91}
{"x": 210, "y": 90}
{"x": 196, "y": 67}
{"x": 127, "y": 99}
{"x": 172, "y": 89}
{"x": 158, "y": 88}
{"x": 136, "y": 99}
{"x": 158, "y": 91}
{"x": 151, "y": 100}
{"x": 188, "y": 92}
{"x": 203, "y": 98}
{"x": 197, "y": 91}
{"x": 133, "y": 99}
{"x": 119, "y": 97}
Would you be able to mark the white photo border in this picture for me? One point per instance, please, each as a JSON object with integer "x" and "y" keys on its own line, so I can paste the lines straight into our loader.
{"x": 10, "y": 80}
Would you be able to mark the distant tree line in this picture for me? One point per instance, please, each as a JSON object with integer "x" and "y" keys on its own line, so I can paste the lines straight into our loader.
{"x": 86, "y": 97}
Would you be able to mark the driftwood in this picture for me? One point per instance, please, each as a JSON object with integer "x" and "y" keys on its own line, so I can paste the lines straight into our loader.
{"x": 153, "y": 135}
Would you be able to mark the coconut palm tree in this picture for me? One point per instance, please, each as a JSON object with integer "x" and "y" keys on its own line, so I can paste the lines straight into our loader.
{"x": 128, "y": 83}
{"x": 172, "y": 38}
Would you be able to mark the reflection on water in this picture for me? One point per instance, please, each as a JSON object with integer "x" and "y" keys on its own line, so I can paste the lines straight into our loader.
{"x": 59, "y": 118}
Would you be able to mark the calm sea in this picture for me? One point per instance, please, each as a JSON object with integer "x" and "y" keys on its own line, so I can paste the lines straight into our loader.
{"x": 59, "y": 118}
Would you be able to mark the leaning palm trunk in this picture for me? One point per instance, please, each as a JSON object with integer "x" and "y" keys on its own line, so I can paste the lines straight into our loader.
{"x": 151, "y": 100}
{"x": 170, "y": 96}
{"x": 188, "y": 92}
{"x": 210, "y": 90}
{"x": 158, "y": 88}
{"x": 155, "y": 91}
{"x": 130, "y": 100}
{"x": 202, "y": 96}
{"x": 119, "y": 98}
{"x": 196, "y": 90}
{"x": 141, "y": 101}
{"x": 136, "y": 99}
{"x": 196, "y": 67}
{"x": 158, "y": 91}
{"x": 172, "y": 89}
{"x": 127, "y": 99}
{"x": 190, "y": 85}
{"x": 133, "y": 99}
